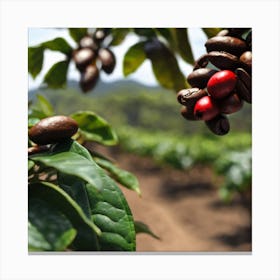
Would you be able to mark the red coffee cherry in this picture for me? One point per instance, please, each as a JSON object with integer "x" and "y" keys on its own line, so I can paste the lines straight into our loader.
{"x": 221, "y": 84}
{"x": 206, "y": 108}
{"x": 230, "y": 104}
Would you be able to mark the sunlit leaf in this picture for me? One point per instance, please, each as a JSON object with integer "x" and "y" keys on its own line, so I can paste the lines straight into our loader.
{"x": 73, "y": 164}
{"x": 78, "y": 33}
{"x": 56, "y": 76}
{"x": 133, "y": 58}
{"x": 183, "y": 44}
{"x": 44, "y": 105}
{"x": 211, "y": 32}
{"x": 35, "y": 60}
{"x": 124, "y": 177}
{"x": 94, "y": 128}
{"x": 118, "y": 35}
{"x": 58, "y": 44}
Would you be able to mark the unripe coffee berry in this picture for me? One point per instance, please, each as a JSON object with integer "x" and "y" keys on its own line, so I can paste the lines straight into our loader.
{"x": 206, "y": 108}
{"x": 221, "y": 84}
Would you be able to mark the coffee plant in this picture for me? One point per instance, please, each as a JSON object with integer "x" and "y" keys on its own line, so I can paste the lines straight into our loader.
{"x": 75, "y": 200}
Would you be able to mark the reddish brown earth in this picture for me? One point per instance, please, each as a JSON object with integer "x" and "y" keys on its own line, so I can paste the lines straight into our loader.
{"x": 183, "y": 208}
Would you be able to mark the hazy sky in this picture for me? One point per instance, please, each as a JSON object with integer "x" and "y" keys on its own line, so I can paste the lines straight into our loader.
{"x": 143, "y": 74}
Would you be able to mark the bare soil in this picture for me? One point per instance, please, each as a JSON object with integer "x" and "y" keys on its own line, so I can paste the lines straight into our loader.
{"x": 183, "y": 208}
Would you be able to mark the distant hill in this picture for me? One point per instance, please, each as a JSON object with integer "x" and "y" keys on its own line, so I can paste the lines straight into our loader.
{"x": 101, "y": 88}
{"x": 127, "y": 102}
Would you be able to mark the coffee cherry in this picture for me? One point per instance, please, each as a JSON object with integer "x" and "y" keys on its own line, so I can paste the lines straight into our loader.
{"x": 206, "y": 108}
{"x": 99, "y": 36}
{"x": 246, "y": 59}
{"x": 221, "y": 84}
{"x": 88, "y": 42}
{"x": 219, "y": 125}
{"x": 188, "y": 113}
{"x": 108, "y": 60}
{"x": 199, "y": 77}
{"x": 83, "y": 58}
{"x": 228, "y": 44}
{"x": 89, "y": 78}
{"x": 223, "y": 60}
{"x": 53, "y": 130}
{"x": 230, "y": 104}
{"x": 244, "y": 85}
{"x": 190, "y": 96}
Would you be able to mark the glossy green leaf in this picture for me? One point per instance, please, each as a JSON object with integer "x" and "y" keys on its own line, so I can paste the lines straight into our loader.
{"x": 72, "y": 164}
{"x": 44, "y": 105}
{"x": 48, "y": 228}
{"x": 183, "y": 44}
{"x": 56, "y": 76}
{"x": 165, "y": 65}
{"x": 141, "y": 227}
{"x": 94, "y": 128}
{"x": 35, "y": 60}
{"x": 118, "y": 35}
{"x": 72, "y": 146}
{"x": 58, "y": 199}
{"x": 58, "y": 44}
{"x": 123, "y": 177}
{"x": 111, "y": 213}
{"x": 211, "y": 32}
{"x": 109, "y": 208}
{"x": 78, "y": 33}
{"x": 133, "y": 58}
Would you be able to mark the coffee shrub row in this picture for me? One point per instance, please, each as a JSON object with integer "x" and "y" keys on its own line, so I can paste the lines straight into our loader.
{"x": 220, "y": 81}
{"x": 91, "y": 57}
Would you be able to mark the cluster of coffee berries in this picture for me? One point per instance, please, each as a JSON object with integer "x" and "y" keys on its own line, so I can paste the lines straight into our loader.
{"x": 91, "y": 57}
{"x": 221, "y": 80}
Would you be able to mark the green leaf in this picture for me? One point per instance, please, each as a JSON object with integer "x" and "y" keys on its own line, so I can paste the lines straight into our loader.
{"x": 44, "y": 105}
{"x": 118, "y": 35}
{"x": 58, "y": 44}
{"x": 165, "y": 65}
{"x": 72, "y": 164}
{"x": 78, "y": 33}
{"x": 124, "y": 177}
{"x": 58, "y": 199}
{"x": 48, "y": 228}
{"x": 111, "y": 213}
{"x": 76, "y": 188}
{"x": 211, "y": 32}
{"x": 94, "y": 128}
{"x": 140, "y": 227}
{"x": 183, "y": 44}
{"x": 133, "y": 58}
{"x": 35, "y": 60}
{"x": 109, "y": 208}
{"x": 56, "y": 76}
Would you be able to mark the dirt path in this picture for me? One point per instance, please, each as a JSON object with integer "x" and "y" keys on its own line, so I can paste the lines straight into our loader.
{"x": 183, "y": 209}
